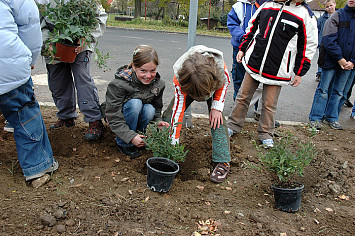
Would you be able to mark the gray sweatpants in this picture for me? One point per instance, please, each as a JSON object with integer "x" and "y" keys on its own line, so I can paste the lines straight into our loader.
{"x": 64, "y": 79}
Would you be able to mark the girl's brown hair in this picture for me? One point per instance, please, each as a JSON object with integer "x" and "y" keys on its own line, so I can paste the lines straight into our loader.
{"x": 199, "y": 76}
{"x": 144, "y": 54}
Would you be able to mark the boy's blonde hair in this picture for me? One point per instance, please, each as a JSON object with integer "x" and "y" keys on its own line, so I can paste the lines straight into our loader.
{"x": 144, "y": 54}
{"x": 326, "y": 1}
{"x": 199, "y": 76}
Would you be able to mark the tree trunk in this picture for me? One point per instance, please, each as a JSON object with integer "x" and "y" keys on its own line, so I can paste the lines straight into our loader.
{"x": 137, "y": 8}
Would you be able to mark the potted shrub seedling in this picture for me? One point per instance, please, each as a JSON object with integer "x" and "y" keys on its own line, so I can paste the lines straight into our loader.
{"x": 284, "y": 161}
{"x": 70, "y": 23}
{"x": 163, "y": 166}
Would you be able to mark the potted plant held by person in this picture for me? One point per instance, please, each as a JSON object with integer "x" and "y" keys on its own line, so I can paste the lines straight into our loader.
{"x": 70, "y": 24}
{"x": 284, "y": 161}
{"x": 163, "y": 166}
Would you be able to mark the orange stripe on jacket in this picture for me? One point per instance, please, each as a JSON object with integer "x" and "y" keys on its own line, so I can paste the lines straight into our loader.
{"x": 220, "y": 94}
{"x": 178, "y": 111}
{"x": 180, "y": 104}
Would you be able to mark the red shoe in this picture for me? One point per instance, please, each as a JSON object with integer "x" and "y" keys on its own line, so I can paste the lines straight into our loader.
{"x": 60, "y": 123}
{"x": 95, "y": 130}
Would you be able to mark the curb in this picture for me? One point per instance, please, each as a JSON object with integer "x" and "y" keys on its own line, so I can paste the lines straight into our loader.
{"x": 204, "y": 116}
{"x": 252, "y": 120}
{"x": 168, "y": 32}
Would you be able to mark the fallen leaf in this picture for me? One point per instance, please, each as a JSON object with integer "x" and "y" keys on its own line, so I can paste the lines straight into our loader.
{"x": 316, "y": 210}
{"x": 97, "y": 177}
{"x": 316, "y": 221}
{"x": 117, "y": 160}
{"x": 228, "y": 188}
{"x": 343, "y": 197}
{"x": 75, "y": 186}
{"x": 125, "y": 179}
{"x": 130, "y": 192}
{"x": 227, "y": 212}
{"x": 196, "y": 234}
{"x": 146, "y": 199}
{"x": 208, "y": 203}
{"x": 329, "y": 209}
{"x": 283, "y": 234}
{"x": 200, "y": 187}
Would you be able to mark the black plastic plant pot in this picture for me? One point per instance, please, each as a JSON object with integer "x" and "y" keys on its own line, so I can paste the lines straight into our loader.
{"x": 161, "y": 173}
{"x": 287, "y": 199}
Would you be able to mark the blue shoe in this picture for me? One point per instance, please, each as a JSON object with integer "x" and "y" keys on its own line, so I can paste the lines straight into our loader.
{"x": 8, "y": 127}
{"x": 230, "y": 132}
{"x": 268, "y": 143}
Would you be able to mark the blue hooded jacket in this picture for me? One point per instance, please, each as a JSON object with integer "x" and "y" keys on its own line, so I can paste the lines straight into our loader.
{"x": 339, "y": 38}
{"x": 20, "y": 42}
{"x": 237, "y": 20}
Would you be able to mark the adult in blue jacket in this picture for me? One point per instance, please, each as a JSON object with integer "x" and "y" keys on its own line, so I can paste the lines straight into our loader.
{"x": 339, "y": 43}
{"x": 237, "y": 23}
{"x": 20, "y": 45}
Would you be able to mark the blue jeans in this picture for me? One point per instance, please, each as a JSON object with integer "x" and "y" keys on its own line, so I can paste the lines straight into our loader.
{"x": 328, "y": 95}
{"x": 21, "y": 110}
{"x": 238, "y": 73}
{"x": 137, "y": 116}
{"x": 348, "y": 86}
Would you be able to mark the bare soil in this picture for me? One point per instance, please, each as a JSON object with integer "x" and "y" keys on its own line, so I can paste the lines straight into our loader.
{"x": 99, "y": 191}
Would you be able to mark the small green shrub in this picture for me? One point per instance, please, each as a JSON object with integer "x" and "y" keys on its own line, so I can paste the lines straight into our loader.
{"x": 286, "y": 159}
{"x": 159, "y": 142}
{"x": 71, "y": 22}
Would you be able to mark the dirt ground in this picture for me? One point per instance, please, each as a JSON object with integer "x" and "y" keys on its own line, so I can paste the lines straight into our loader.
{"x": 99, "y": 191}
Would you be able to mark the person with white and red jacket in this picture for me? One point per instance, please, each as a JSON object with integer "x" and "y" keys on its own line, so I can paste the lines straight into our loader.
{"x": 277, "y": 50}
{"x": 200, "y": 74}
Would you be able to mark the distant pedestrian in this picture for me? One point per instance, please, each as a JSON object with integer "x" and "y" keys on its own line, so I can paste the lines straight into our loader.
{"x": 339, "y": 44}
{"x": 20, "y": 46}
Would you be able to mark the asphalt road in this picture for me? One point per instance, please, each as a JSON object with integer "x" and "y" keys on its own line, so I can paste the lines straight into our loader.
{"x": 294, "y": 103}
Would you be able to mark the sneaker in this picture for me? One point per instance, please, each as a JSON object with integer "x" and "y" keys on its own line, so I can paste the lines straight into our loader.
{"x": 268, "y": 143}
{"x": 352, "y": 117}
{"x": 61, "y": 122}
{"x": 315, "y": 124}
{"x": 132, "y": 151}
{"x": 50, "y": 170}
{"x": 8, "y": 127}
{"x": 277, "y": 124}
{"x": 220, "y": 172}
{"x": 95, "y": 130}
{"x": 230, "y": 132}
{"x": 348, "y": 103}
{"x": 333, "y": 124}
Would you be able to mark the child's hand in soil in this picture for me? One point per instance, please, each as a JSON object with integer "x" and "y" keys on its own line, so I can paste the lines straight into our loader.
{"x": 138, "y": 140}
